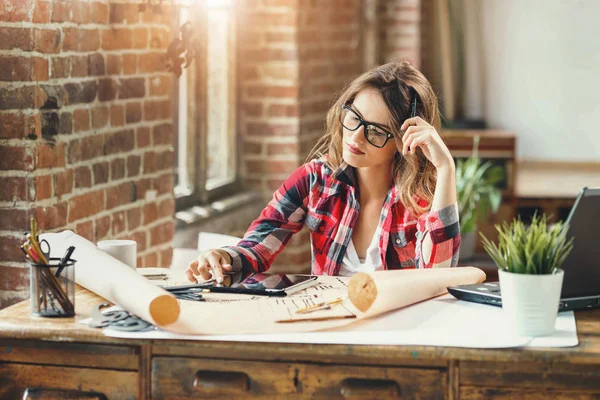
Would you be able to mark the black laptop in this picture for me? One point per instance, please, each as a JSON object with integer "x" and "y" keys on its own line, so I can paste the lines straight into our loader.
{"x": 581, "y": 283}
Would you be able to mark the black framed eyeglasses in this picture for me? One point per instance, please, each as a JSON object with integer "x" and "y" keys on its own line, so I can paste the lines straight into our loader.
{"x": 375, "y": 134}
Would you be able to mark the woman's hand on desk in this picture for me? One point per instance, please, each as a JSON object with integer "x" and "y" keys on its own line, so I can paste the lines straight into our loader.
{"x": 211, "y": 264}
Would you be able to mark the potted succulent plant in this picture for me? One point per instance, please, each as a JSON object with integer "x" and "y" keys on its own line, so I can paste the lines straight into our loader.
{"x": 529, "y": 259}
{"x": 477, "y": 193}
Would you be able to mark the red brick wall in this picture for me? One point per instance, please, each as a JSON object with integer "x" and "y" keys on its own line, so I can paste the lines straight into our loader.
{"x": 329, "y": 42}
{"x": 269, "y": 106}
{"x": 329, "y": 39}
{"x": 269, "y": 101}
{"x": 401, "y": 30}
{"x": 86, "y": 132}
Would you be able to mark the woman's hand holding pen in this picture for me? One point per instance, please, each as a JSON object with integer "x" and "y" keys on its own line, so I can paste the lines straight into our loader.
{"x": 419, "y": 133}
{"x": 211, "y": 264}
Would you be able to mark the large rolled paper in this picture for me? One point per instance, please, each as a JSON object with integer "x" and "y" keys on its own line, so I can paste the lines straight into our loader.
{"x": 114, "y": 280}
{"x": 376, "y": 293}
{"x": 382, "y": 291}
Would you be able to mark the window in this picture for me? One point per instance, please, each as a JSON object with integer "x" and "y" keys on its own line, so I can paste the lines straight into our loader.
{"x": 207, "y": 152}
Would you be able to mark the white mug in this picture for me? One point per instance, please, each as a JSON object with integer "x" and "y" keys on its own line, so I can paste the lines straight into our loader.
{"x": 123, "y": 250}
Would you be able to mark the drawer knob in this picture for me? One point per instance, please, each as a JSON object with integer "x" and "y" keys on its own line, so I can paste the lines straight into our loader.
{"x": 238, "y": 381}
{"x": 61, "y": 394}
{"x": 369, "y": 388}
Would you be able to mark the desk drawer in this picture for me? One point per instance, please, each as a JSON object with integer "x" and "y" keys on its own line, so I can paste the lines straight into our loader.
{"x": 198, "y": 378}
{"x": 474, "y": 393}
{"x": 70, "y": 354}
{"x": 530, "y": 375}
{"x": 363, "y": 382}
{"x": 51, "y": 382}
{"x": 195, "y": 378}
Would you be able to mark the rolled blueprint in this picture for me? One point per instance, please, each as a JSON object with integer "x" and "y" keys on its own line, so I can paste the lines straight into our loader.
{"x": 381, "y": 291}
{"x": 114, "y": 280}
{"x": 369, "y": 295}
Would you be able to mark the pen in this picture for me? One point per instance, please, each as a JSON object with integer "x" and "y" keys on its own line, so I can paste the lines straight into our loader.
{"x": 320, "y": 306}
{"x": 225, "y": 289}
{"x": 156, "y": 277}
{"x": 64, "y": 260}
{"x": 189, "y": 296}
{"x": 193, "y": 286}
{"x": 191, "y": 290}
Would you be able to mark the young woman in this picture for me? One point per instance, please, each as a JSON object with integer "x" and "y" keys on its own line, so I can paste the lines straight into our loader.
{"x": 378, "y": 193}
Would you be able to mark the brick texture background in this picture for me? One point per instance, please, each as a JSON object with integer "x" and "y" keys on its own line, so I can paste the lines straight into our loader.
{"x": 85, "y": 128}
{"x": 86, "y": 123}
{"x": 402, "y": 30}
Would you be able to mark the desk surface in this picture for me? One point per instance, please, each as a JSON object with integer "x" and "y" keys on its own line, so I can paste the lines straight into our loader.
{"x": 17, "y": 323}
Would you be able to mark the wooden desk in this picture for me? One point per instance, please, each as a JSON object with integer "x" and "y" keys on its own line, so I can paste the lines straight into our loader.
{"x": 495, "y": 145}
{"x": 63, "y": 354}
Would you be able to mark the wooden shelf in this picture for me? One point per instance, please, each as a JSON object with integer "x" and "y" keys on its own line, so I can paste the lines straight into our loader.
{"x": 551, "y": 187}
{"x": 555, "y": 180}
{"x": 495, "y": 145}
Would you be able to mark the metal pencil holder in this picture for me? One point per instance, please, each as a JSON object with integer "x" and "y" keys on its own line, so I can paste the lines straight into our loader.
{"x": 52, "y": 288}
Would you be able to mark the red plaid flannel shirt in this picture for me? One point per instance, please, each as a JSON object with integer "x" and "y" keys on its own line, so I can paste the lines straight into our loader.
{"x": 324, "y": 201}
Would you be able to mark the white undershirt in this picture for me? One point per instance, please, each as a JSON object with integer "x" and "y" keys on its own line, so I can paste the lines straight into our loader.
{"x": 351, "y": 264}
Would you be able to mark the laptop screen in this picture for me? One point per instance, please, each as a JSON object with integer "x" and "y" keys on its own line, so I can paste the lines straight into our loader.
{"x": 582, "y": 266}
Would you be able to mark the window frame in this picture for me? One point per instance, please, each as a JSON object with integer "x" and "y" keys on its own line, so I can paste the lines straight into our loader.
{"x": 200, "y": 195}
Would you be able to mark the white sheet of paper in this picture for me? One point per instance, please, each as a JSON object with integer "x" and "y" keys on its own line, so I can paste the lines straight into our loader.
{"x": 443, "y": 321}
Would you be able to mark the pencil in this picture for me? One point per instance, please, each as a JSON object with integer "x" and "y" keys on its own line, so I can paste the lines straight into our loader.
{"x": 319, "y": 306}
{"x": 31, "y": 253}
{"x": 47, "y": 280}
{"x": 315, "y": 319}
{"x": 33, "y": 228}
{"x": 36, "y": 247}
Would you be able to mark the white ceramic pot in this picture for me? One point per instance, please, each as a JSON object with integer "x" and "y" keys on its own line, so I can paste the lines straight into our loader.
{"x": 530, "y": 302}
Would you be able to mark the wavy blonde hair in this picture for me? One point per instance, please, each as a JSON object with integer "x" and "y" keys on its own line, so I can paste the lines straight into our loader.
{"x": 414, "y": 176}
